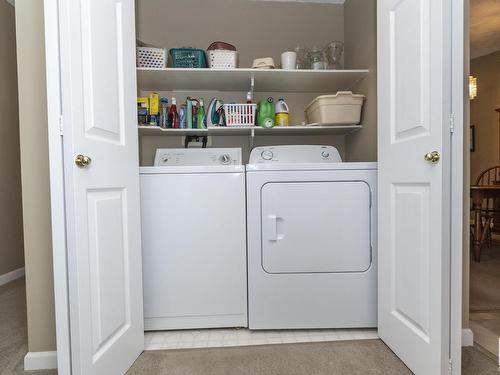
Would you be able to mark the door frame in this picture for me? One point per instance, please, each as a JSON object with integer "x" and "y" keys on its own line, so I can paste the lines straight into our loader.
{"x": 57, "y": 190}
{"x": 459, "y": 100}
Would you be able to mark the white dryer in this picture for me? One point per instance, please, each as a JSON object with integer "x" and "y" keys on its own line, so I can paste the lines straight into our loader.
{"x": 194, "y": 239}
{"x": 311, "y": 223}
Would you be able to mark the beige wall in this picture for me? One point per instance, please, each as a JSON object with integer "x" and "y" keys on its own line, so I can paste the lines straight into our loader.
{"x": 483, "y": 115}
{"x": 11, "y": 221}
{"x": 361, "y": 53}
{"x": 35, "y": 175}
{"x": 257, "y": 29}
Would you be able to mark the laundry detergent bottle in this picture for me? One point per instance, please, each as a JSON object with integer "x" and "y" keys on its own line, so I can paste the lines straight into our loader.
{"x": 282, "y": 117}
{"x": 265, "y": 117}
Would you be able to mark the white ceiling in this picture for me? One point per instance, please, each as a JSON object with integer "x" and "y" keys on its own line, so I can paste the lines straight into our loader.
{"x": 484, "y": 27}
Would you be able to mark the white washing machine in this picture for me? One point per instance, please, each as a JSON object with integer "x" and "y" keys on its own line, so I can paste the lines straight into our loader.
{"x": 194, "y": 239}
{"x": 311, "y": 222}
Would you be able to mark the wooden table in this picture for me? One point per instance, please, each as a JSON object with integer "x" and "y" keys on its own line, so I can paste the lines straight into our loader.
{"x": 478, "y": 195}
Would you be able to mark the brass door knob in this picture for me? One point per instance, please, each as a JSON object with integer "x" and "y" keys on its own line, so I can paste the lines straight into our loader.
{"x": 432, "y": 157}
{"x": 82, "y": 161}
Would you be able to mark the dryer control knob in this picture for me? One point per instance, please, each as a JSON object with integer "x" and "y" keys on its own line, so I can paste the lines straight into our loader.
{"x": 267, "y": 155}
{"x": 225, "y": 159}
{"x": 325, "y": 154}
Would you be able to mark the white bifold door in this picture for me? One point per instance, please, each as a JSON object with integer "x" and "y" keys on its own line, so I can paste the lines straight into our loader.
{"x": 101, "y": 180}
{"x": 98, "y": 91}
{"x": 414, "y": 104}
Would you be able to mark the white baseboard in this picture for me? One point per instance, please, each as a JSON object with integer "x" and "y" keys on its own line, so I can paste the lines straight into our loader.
{"x": 467, "y": 337}
{"x": 40, "y": 361}
{"x": 11, "y": 276}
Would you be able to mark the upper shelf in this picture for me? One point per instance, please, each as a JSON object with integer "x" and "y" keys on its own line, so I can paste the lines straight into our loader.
{"x": 317, "y": 129}
{"x": 272, "y": 80}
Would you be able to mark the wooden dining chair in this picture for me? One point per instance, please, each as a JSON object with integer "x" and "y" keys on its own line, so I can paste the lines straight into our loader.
{"x": 490, "y": 176}
{"x": 491, "y": 206}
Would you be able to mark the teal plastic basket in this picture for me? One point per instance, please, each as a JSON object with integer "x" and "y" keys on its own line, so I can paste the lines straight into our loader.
{"x": 188, "y": 58}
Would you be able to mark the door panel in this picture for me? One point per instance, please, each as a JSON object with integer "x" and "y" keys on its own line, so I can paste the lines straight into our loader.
{"x": 410, "y": 295}
{"x": 409, "y": 68}
{"x": 108, "y": 275}
{"x": 316, "y": 227}
{"x": 414, "y": 67}
{"x": 97, "y": 43}
{"x": 103, "y": 74}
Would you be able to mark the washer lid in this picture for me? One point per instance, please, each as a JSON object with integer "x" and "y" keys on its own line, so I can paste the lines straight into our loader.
{"x": 294, "y": 154}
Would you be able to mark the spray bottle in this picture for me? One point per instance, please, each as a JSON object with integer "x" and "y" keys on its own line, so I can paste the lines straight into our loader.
{"x": 200, "y": 115}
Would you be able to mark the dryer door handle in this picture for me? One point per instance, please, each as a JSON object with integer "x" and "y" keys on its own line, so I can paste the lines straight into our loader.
{"x": 271, "y": 228}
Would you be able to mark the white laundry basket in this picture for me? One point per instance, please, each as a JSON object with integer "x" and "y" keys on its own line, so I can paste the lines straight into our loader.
{"x": 240, "y": 114}
{"x": 149, "y": 57}
{"x": 222, "y": 59}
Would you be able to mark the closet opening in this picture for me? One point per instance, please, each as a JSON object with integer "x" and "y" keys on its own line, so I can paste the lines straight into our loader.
{"x": 308, "y": 56}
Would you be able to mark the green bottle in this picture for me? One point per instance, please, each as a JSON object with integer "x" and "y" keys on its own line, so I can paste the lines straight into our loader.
{"x": 200, "y": 115}
{"x": 266, "y": 112}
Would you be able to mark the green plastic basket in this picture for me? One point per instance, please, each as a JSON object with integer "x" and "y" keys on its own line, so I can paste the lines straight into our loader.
{"x": 188, "y": 58}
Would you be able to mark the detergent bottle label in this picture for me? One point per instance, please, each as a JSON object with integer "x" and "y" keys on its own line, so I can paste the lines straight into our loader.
{"x": 282, "y": 113}
{"x": 282, "y": 119}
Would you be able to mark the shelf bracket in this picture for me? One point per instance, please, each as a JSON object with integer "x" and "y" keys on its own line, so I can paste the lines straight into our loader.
{"x": 252, "y": 138}
{"x": 252, "y": 83}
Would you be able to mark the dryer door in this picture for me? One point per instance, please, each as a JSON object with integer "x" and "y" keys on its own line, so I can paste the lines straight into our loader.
{"x": 316, "y": 227}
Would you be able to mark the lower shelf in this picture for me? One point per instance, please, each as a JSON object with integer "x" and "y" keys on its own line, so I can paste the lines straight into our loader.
{"x": 318, "y": 129}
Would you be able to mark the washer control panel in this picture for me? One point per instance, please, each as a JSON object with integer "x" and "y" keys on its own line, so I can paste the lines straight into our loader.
{"x": 197, "y": 156}
{"x": 295, "y": 154}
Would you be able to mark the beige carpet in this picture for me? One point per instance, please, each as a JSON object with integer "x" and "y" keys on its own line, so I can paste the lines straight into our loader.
{"x": 331, "y": 358}
{"x": 486, "y": 328}
{"x": 13, "y": 333}
{"x": 485, "y": 281}
{"x": 340, "y": 357}
{"x": 476, "y": 362}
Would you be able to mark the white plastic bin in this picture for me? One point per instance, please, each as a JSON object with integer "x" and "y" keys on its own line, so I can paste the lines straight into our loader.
{"x": 343, "y": 108}
{"x": 222, "y": 59}
{"x": 150, "y": 57}
{"x": 240, "y": 114}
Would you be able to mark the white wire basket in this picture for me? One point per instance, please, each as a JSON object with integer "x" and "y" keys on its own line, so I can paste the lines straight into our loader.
{"x": 149, "y": 57}
{"x": 240, "y": 114}
{"x": 222, "y": 59}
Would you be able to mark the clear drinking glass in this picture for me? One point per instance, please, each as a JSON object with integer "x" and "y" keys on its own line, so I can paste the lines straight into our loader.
{"x": 302, "y": 58}
{"x": 333, "y": 52}
{"x": 318, "y": 59}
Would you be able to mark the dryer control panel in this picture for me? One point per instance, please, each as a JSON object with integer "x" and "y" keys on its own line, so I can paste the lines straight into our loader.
{"x": 295, "y": 154}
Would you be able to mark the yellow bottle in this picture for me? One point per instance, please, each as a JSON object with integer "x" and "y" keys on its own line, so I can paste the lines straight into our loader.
{"x": 282, "y": 117}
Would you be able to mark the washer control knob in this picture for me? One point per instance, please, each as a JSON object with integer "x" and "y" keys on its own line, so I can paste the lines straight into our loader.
{"x": 225, "y": 159}
{"x": 267, "y": 155}
{"x": 325, "y": 154}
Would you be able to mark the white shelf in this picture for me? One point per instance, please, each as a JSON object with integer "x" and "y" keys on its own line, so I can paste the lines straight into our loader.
{"x": 285, "y": 130}
{"x": 272, "y": 80}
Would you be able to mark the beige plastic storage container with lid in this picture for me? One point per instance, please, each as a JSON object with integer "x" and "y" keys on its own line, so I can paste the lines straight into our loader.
{"x": 343, "y": 108}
